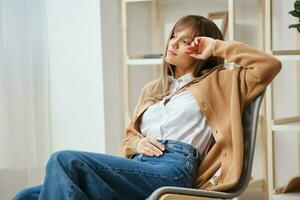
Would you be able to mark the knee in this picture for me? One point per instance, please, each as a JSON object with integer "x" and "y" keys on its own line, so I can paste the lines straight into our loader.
{"x": 22, "y": 195}
{"x": 61, "y": 159}
{"x": 28, "y": 193}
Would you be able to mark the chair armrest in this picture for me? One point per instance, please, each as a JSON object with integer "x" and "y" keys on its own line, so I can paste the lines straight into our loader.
{"x": 188, "y": 191}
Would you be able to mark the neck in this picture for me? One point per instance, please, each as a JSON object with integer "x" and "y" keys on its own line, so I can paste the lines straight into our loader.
{"x": 181, "y": 72}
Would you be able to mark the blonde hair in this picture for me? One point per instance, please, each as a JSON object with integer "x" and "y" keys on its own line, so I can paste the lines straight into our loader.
{"x": 200, "y": 26}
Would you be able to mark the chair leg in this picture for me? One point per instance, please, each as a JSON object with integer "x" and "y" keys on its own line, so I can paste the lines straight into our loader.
{"x": 185, "y": 197}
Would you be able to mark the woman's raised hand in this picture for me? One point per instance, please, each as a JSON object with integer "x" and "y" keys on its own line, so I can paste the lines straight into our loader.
{"x": 201, "y": 48}
{"x": 149, "y": 147}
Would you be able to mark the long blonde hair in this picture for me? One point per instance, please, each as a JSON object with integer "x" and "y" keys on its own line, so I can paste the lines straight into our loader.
{"x": 200, "y": 26}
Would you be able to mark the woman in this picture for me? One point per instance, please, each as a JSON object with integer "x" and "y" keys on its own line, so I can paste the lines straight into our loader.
{"x": 185, "y": 129}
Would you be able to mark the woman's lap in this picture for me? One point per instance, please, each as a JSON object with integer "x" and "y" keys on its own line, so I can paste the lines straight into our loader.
{"x": 99, "y": 176}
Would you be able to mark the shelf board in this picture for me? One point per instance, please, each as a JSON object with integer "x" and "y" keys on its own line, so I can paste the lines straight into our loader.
{"x": 130, "y": 1}
{"x": 286, "y": 120}
{"x": 148, "y": 61}
{"x": 292, "y": 127}
{"x": 286, "y": 52}
{"x": 286, "y": 196}
{"x": 288, "y": 57}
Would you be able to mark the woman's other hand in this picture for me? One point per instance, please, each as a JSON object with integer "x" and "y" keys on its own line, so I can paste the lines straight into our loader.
{"x": 149, "y": 147}
{"x": 201, "y": 48}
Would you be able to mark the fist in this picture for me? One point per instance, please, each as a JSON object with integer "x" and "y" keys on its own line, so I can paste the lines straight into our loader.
{"x": 201, "y": 48}
{"x": 149, "y": 147}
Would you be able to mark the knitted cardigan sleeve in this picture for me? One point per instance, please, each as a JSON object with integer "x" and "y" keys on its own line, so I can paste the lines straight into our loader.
{"x": 258, "y": 68}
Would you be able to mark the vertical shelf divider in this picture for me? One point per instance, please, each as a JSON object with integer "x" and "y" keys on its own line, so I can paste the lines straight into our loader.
{"x": 125, "y": 66}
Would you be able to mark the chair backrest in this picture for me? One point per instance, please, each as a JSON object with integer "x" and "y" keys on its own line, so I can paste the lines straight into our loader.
{"x": 250, "y": 123}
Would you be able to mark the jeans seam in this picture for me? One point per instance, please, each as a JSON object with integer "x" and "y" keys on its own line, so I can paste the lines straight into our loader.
{"x": 132, "y": 171}
{"x": 68, "y": 175}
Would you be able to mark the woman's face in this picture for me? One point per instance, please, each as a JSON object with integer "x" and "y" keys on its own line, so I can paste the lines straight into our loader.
{"x": 176, "y": 50}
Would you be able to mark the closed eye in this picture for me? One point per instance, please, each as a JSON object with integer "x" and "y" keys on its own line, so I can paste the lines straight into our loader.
{"x": 187, "y": 42}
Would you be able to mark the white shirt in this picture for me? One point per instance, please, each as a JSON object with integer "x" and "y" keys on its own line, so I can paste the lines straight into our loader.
{"x": 180, "y": 119}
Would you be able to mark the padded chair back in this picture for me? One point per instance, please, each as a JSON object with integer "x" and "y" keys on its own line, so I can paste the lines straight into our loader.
{"x": 250, "y": 123}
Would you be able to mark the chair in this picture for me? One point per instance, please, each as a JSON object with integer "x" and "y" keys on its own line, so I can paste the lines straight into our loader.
{"x": 249, "y": 121}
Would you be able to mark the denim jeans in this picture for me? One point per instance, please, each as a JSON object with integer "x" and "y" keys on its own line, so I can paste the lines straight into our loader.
{"x": 85, "y": 175}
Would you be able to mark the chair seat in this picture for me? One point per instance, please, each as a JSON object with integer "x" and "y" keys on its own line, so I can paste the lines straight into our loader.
{"x": 184, "y": 197}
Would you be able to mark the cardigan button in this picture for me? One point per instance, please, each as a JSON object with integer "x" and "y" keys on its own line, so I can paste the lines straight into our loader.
{"x": 203, "y": 105}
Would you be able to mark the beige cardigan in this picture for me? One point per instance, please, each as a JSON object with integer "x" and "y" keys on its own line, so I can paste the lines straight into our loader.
{"x": 222, "y": 95}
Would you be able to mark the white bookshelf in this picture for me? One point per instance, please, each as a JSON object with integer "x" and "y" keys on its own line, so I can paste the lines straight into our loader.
{"x": 287, "y": 196}
{"x": 285, "y": 126}
{"x": 132, "y": 1}
{"x": 289, "y": 127}
{"x": 288, "y": 57}
{"x": 153, "y": 61}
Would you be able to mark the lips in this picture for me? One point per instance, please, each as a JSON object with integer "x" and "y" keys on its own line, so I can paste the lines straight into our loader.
{"x": 171, "y": 52}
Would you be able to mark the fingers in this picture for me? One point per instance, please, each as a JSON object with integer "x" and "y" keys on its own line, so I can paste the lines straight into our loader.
{"x": 150, "y": 146}
{"x": 195, "y": 52}
{"x": 153, "y": 149}
{"x": 191, "y": 50}
{"x": 157, "y": 144}
{"x": 201, "y": 48}
{"x": 195, "y": 48}
{"x": 197, "y": 40}
{"x": 156, "y": 147}
{"x": 148, "y": 151}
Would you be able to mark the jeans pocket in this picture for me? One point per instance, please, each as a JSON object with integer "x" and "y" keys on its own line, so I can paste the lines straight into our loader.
{"x": 183, "y": 156}
{"x": 189, "y": 160}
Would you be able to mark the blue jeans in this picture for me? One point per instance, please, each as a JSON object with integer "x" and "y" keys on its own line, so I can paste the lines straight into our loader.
{"x": 85, "y": 175}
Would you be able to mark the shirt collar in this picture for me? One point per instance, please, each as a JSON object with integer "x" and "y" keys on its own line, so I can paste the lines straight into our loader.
{"x": 184, "y": 79}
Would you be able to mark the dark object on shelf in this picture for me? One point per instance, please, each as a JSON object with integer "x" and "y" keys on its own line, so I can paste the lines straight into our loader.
{"x": 146, "y": 56}
{"x": 292, "y": 186}
{"x": 296, "y": 13}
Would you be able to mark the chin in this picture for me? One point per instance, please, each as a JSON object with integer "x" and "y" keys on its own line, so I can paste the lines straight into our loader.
{"x": 170, "y": 61}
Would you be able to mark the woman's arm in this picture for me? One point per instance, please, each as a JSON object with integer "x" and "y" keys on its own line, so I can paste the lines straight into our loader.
{"x": 258, "y": 67}
{"x": 132, "y": 136}
{"x": 134, "y": 142}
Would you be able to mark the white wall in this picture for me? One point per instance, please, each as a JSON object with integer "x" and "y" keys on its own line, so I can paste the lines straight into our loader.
{"x": 86, "y": 82}
{"x": 24, "y": 108}
{"x": 76, "y": 75}
{"x": 80, "y": 41}
{"x": 112, "y": 61}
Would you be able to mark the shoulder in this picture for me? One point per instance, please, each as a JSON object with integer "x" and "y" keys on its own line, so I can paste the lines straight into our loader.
{"x": 149, "y": 85}
{"x": 222, "y": 75}
{"x": 227, "y": 68}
